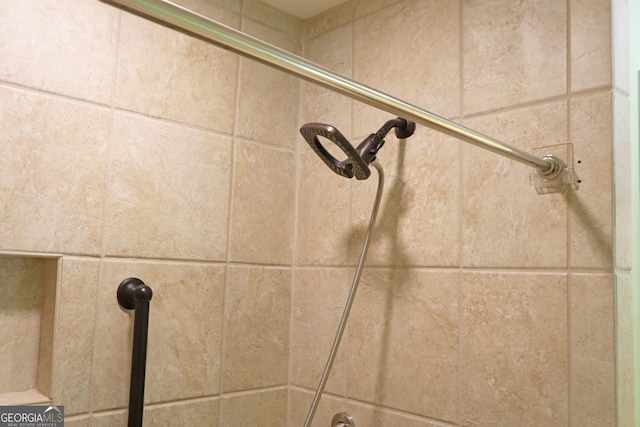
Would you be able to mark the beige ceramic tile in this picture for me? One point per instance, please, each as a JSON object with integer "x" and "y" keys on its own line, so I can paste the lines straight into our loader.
{"x": 256, "y": 331}
{"x": 329, "y": 20}
{"x": 109, "y": 419}
{"x": 514, "y": 52}
{"x": 21, "y": 283}
{"x": 623, "y": 181}
{"x": 332, "y": 50}
{"x": 324, "y": 230}
{"x": 300, "y": 403}
{"x": 506, "y": 223}
{"x": 590, "y": 44}
{"x": 420, "y": 66}
{"x": 368, "y": 120}
{"x": 169, "y": 193}
{"x": 419, "y": 218}
{"x": 262, "y": 212}
{"x": 403, "y": 342}
{"x": 274, "y": 18}
{"x": 590, "y": 208}
{"x": 29, "y": 397}
{"x": 323, "y": 197}
{"x": 163, "y": 73}
{"x": 75, "y": 309}
{"x": 621, "y": 43}
{"x": 268, "y": 101}
{"x": 76, "y": 422}
{"x": 61, "y": 46}
{"x": 323, "y": 226}
{"x": 46, "y": 141}
{"x": 625, "y": 371}
{"x": 112, "y": 346}
{"x": 372, "y": 416}
{"x": 592, "y": 350}
{"x": 224, "y": 11}
{"x": 318, "y": 300}
{"x": 364, "y": 7}
{"x": 48, "y": 307}
{"x": 513, "y": 343}
{"x": 188, "y": 413}
{"x": 185, "y": 333}
{"x": 263, "y": 408}
{"x": 185, "y": 322}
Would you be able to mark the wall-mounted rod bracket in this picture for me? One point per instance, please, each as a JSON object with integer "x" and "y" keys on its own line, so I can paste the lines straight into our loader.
{"x": 132, "y": 290}
{"x": 561, "y": 176}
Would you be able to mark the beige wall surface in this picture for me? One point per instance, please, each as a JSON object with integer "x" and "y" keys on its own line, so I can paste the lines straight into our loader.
{"x": 132, "y": 150}
{"x": 485, "y": 303}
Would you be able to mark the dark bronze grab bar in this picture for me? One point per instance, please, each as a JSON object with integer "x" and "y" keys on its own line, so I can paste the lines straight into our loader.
{"x": 134, "y": 294}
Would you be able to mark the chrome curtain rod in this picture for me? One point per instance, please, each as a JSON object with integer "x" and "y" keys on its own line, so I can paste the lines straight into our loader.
{"x": 179, "y": 18}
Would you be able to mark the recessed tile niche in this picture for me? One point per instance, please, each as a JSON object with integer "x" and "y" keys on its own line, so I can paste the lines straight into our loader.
{"x": 27, "y": 307}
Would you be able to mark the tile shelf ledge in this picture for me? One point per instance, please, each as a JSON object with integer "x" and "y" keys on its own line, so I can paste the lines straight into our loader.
{"x": 29, "y": 397}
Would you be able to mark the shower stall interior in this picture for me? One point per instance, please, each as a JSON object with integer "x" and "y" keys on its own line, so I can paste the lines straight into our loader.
{"x": 554, "y": 170}
{"x": 203, "y": 145}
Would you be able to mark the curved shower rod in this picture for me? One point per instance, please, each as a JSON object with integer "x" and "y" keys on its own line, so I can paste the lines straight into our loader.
{"x": 181, "y": 19}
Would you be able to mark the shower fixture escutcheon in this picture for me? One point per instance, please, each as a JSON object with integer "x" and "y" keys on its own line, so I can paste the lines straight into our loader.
{"x": 342, "y": 419}
{"x": 359, "y": 158}
{"x": 560, "y": 176}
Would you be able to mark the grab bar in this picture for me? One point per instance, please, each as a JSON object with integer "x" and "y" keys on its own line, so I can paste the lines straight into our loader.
{"x": 134, "y": 294}
{"x": 177, "y": 17}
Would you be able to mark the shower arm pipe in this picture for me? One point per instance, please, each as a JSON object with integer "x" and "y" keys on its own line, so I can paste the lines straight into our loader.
{"x": 184, "y": 20}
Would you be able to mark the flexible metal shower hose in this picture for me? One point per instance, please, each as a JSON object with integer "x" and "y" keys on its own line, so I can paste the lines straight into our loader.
{"x": 352, "y": 295}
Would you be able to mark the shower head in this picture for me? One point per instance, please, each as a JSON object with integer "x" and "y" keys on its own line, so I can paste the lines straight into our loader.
{"x": 358, "y": 159}
{"x": 352, "y": 165}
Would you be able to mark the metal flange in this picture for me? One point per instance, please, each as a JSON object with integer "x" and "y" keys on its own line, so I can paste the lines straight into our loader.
{"x": 342, "y": 419}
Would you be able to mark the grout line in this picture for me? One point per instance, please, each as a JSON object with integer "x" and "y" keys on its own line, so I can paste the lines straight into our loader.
{"x": 461, "y": 58}
{"x": 105, "y": 205}
{"x": 392, "y": 410}
{"x": 190, "y": 126}
{"x": 352, "y": 111}
{"x": 296, "y": 215}
{"x": 126, "y": 259}
{"x": 108, "y": 176}
{"x": 568, "y": 227}
{"x": 460, "y": 267}
{"x": 110, "y": 106}
{"x": 55, "y": 95}
{"x": 471, "y": 269}
{"x": 569, "y": 351}
{"x": 230, "y": 198}
{"x": 187, "y": 400}
{"x": 539, "y": 102}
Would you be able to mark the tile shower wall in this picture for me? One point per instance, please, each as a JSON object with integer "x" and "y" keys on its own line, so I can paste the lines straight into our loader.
{"x": 484, "y": 303}
{"x": 133, "y": 150}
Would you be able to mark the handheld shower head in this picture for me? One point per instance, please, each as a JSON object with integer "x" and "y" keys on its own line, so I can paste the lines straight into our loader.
{"x": 352, "y": 165}
{"x": 358, "y": 159}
